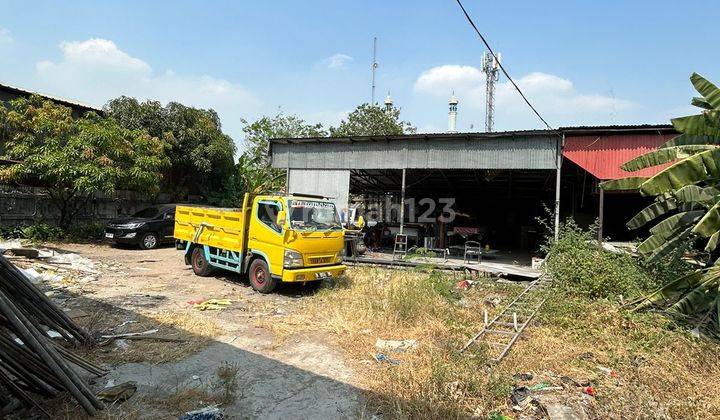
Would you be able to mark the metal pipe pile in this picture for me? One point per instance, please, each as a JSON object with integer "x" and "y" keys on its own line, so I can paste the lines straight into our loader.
{"x": 31, "y": 363}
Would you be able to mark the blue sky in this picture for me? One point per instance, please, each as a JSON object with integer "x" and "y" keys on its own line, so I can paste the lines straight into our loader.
{"x": 580, "y": 62}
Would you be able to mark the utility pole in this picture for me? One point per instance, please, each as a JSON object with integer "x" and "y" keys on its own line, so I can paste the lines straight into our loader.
{"x": 374, "y": 66}
{"x": 491, "y": 68}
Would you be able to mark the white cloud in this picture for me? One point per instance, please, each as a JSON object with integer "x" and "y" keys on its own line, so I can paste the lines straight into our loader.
{"x": 337, "y": 61}
{"x": 556, "y": 98}
{"x": 5, "y": 36}
{"x": 96, "y": 70}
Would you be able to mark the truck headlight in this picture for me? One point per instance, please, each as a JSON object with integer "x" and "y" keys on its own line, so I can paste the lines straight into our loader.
{"x": 292, "y": 259}
{"x": 340, "y": 256}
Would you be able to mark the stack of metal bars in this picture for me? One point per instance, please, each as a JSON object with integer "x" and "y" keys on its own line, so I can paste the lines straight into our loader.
{"x": 31, "y": 363}
{"x": 500, "y": 333}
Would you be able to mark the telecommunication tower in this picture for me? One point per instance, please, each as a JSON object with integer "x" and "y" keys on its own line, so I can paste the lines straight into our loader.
{"x": 491, "y": 68}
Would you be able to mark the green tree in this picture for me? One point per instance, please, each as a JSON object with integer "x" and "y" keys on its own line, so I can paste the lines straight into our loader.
{"x": 253, "y": 171}
{"x": 75, "y": 158}
{"x": 371, "y": 120}
{"x": 686, "y": 206}
{"x": 201, "y": 155}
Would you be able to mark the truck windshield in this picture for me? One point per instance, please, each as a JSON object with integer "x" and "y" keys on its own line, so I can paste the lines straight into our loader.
{"x": 313, "y": 215}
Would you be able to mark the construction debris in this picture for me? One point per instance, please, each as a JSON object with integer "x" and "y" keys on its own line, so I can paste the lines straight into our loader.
{"x": 31, "y": 362}
{"x": 118, "y": 393}
{"x": 397, "y": 346}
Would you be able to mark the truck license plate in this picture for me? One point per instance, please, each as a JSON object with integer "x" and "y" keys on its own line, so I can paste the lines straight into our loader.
{"x": 323, "y": 275}
{"x": 109, "y": 235}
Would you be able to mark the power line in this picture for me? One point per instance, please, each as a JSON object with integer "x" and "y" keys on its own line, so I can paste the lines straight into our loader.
{"x": 469, "y": 19}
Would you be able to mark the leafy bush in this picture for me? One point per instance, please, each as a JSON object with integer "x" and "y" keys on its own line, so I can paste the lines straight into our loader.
{"x": 43, "y": 232}
{"x": 580, "y": 266}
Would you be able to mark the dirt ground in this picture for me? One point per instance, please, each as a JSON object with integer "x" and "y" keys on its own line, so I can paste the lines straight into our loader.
{"x": 299, "y": 376}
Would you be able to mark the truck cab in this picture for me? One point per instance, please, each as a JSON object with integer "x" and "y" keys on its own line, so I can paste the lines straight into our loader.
{"x": 272, "y": 239}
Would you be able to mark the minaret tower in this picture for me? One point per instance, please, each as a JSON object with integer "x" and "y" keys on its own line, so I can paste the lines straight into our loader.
{"x": 452, "y": 114}
{"x": 388, "y": 103}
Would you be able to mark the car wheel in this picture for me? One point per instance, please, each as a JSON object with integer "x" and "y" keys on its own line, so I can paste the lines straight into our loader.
{"x": 260, "y": 278}
{"x": 149, "y": 240}
{"x": 200, "y": 265}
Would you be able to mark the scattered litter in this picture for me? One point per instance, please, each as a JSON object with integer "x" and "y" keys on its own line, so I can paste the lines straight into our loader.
{"x": 127, "y": 335}
{"x": 118, "y": 393}
{"x": 212, "y": 304}
{"x": 523, "y": 376}
{"x": 110, "y": 383}
{"x": 608, "y": 371}
{"x": 382, "y": 358}
{"x": 560, "y": 412}
{"x": 397, "y": 346}
{"x": 31, "y": 274}
{"x": 695, "y": 332}
{"x": 196, "y": 378}
{"x": 545, "y": 386}
{"x": 211, "y": 412}
{"x": 520, "y": 398}
{"x": 589, "y": 391}
{"x": 536, "y": 263}
{"x": 492, "y": 301}
{"x": 122, "y": 344}
{"x": 465, "y": 284}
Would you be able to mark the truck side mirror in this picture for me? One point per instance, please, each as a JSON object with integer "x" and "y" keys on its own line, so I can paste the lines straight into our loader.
{"x": 281, "y": 218}
{"x": 360, "y": 222}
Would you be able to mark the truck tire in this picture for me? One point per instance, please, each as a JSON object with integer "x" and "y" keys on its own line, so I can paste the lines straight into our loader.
{"x": 200, "y": 265}
{"x": 260, "y": 278}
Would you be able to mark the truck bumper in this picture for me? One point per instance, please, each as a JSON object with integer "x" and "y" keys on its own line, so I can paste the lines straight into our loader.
{"x": 315, "y": 273}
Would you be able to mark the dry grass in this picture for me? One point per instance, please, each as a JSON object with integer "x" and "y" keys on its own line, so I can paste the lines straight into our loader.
{"x": 661, "y": 372}
{"x": 192, "y": 329}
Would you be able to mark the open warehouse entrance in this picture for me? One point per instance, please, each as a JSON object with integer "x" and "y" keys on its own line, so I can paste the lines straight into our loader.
{"x": 444, "y": 208}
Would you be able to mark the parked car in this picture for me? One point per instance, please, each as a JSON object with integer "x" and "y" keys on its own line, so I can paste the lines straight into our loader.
{"x": 147, "y": 228}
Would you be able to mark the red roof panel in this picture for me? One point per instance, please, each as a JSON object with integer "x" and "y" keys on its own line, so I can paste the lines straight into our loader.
{"x": 603, "y": 155}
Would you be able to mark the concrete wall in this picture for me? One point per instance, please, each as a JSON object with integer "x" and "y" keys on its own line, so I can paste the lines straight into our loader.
{"x": 25, "y": 206}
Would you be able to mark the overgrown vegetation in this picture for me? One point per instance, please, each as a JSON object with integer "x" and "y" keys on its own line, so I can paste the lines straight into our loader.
{"x": 578, "y": 264}
{"x": 687, "y": 205}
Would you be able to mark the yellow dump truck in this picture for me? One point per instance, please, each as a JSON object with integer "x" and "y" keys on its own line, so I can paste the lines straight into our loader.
{"x": 272, "y": 238}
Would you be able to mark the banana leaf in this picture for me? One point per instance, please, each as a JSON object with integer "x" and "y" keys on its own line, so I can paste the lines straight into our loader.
{"x": 709, "y": 224}
{"x": 712, "y": 242}
{"x": 706, "y": 123}
{"x": 707, "y": 89}
{"x": 696, "y": 194}
{"x": 651, "y": 212}
{"x": 700, "y": 299}
{"x": 672, "y": 290}
{"x": 675, "y": 222}
{"x": 690, "y": 170}
{"x": 665, "y": 155}
{"x": 630, "y": 183}
{"x": 711, "y": 137}
{"x": 701, "y": 103}
{"x": 673, "y": 244}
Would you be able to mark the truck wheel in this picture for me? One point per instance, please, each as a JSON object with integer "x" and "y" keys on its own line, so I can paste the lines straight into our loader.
{"x": 149, "y": 241}
{"x": 199, "y": 264}
{"x": 260, "y": 278}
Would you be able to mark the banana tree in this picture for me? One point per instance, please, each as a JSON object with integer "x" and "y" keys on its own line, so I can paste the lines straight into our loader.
{"x": 686, "y": 208}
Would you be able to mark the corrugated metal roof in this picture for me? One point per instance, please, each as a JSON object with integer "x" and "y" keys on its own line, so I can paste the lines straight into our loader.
{"x": 433, "y": 152}
{"x": 63, "y": 101}
{"x": 602, "y": 155}
{"x": 419, "y": 136}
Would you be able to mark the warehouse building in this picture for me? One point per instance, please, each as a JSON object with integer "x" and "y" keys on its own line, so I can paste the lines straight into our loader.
{"x": 489, "y": 187}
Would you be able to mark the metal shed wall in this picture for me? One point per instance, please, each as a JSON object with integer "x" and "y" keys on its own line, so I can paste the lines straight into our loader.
{"x": 325, "y": 182}
{"x": 420, "y": 153}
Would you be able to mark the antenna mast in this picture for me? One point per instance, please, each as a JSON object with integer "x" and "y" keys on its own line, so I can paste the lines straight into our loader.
{"x": 374, "y": 66}
{"x": 491, "y": 68}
